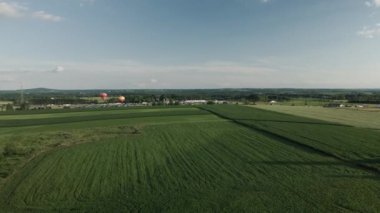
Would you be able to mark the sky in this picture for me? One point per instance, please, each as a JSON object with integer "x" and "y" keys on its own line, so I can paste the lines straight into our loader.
{"x": 184, "y": 44}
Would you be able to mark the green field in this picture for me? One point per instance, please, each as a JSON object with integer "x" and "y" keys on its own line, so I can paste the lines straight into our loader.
{"x": 216, "y": 158}
{"x": 352, "y": 117}
{"x": 300, "y": 102}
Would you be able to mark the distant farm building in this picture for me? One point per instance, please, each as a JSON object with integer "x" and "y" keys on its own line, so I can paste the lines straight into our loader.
{"x": 334, "y": 105}
{"x": 272, "y": 102}
{"x": 220, "y": 102}
{"x": 38, "y": 107}
{"x": 194, "y": 102}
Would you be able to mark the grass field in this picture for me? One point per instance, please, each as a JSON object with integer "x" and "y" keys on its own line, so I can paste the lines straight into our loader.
{"x": 220, "y": 159}
{"x": 352, "y": 117}
{"x": 23, "y": 136}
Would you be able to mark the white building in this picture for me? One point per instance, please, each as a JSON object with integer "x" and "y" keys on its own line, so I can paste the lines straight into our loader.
{"x": 194, "y": 102}
{"x": 272, "y": 102}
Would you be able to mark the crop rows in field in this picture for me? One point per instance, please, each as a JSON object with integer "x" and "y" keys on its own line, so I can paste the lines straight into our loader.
{"x": 22, "y": 136}
{"x": 246, "y": 161}
{"x": 215, "y": 165}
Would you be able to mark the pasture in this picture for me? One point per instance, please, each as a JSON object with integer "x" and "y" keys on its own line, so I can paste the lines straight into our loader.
{"x": 214, "y": 158}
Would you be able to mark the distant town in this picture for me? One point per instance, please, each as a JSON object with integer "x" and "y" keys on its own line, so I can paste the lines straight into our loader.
{"x": 48, "y": 99}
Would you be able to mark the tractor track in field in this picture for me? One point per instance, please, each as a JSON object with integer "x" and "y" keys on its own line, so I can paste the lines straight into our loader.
{"x": 297, "y": 145}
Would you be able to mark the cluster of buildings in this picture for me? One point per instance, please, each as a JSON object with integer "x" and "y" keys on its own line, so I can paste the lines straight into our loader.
{"x": 114, "y": 105}
{"x": 340, "y": 105}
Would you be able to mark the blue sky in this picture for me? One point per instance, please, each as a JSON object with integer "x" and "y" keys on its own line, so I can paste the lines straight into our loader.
{"x": 79, "y": 44}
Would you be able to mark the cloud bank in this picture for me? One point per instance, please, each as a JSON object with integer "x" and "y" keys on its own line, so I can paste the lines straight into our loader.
{"x": 11, "y": 10}
{"x": 373, "y": 3}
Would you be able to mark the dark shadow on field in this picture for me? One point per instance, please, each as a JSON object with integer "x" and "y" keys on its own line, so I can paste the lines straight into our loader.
{"x": 297, "y": 144}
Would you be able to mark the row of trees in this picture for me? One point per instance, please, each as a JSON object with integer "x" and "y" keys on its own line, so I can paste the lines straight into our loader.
{"x": 363, "y": 98}
{"x": 60, "y": 101}
{"x": 158, "y": 97}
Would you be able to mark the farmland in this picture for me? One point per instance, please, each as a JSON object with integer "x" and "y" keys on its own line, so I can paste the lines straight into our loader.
{"x": 213, "y": 158}
{"x": 331, "y": 139}
{"x": 353, "y": 117}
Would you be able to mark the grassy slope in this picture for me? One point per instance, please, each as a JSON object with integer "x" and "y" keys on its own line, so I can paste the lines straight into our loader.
{"x": 359, "y": 118}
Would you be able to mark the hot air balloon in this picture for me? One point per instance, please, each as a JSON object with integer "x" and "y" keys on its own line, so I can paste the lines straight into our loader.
{"x": 121, "y": 99}
{"x": 103, "y": 96}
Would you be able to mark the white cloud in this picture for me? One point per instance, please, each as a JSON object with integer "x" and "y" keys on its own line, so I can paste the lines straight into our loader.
{"x": 264, "y": 1}
{"x": 58, "y": 69}
{"x": 370, "y": 32}
{"x": 42, "y": 15}
{"x": 13, "y": 71}
{"x": 11, "y": 10}
{"x": 373, "y": 3}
